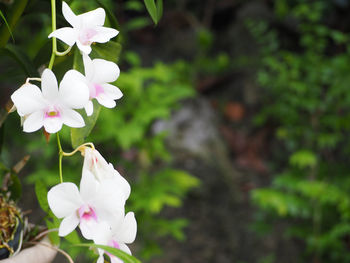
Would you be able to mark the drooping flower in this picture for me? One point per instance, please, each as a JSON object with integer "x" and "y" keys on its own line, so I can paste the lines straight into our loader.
{"x": 116, "y": 236}
{"x": 98, "y": 166}
{"x": 89, "y": 207}
{"x": 99, "y": 73}
{"x": 52, "y": 107}
{"x": 86, "y": 29}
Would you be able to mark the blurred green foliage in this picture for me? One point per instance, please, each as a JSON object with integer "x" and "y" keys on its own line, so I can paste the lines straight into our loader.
{"x": 305, "y": 78}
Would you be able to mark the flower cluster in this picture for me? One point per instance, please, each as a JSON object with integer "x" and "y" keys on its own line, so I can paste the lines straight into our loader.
{"x": 97, "y": 206}
{"x": 54, "y": 105}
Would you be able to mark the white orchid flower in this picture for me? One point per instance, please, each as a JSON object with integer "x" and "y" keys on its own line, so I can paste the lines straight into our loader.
{"x": 116, "y": 236}
{"x": 97, "y": 165}
{"x": 99, "y": 73}
{"x": 86, "y": 29}
{"x": 52, "y": 107}
{"x": 89, "y": 207}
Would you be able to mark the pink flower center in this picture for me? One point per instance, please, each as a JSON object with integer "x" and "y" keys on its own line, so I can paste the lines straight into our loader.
{"x": 86, "y": 212}
{"x": 96, "y": 90}
{"x": 52, "y": 112}
{"x": 86, "y": 36}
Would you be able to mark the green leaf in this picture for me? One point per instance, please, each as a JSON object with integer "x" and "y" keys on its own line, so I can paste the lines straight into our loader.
{"x": 53, "y": 236}
{"x": 78, "y": 135}
{"x": 152, "y": 10}
{"x": 7, "y": 25}
{"x": 159, "y": 9}
{"x": 15, "y": 187}
{"x": 41, "y": 195}
{"x": 114, "y": 251}
{"x": 110, "y": 51}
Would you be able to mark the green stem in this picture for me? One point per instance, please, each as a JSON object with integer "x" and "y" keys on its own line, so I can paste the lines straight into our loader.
{"x": 60, "y": 153}
{"x": 54, "y": 42}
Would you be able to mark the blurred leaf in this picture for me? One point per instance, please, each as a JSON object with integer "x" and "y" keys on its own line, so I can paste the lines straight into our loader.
{"x": 22, "y": 59}
{"x": 152, "y": 10}
{"x": 137, "y": 23}
{"x": 41, "y": 195}
{"x": 111, "y": 17}
{"x": 12, "y": 18}
{"x": 159, "y": 9}
{"x": 15, "y": 187}
{"x": 303, "y": 159}
{"x": 134, "y": 5}
{"x": 53, "y": 236}
{"x": 78, "y": 135}
{"x": 7, "y": 25}
{"x": 109, "y": 51}
{"x": 125, "y": 257}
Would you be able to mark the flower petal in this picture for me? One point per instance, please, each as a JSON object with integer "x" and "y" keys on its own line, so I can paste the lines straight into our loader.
{"x": 88, "y": 228}
{"x": 106, "y": 101}
{"x": 104, "y": 34}
{"x": 53, "y": 125}
{"x": 69, "y": 15}
{"x": 49, "y": 85}
{"x": 33, "y": 122}
{"x": 72, "y": 118}
{"x": 88, "y": 67}
{"x": 128, "y": 229}
{"x": 93, "y": 18}
{"x": 74, "y": 92}
{"x": 89, "y": 108}
{"x": 66, "y": 34}
{"x": 121, "y": 182}
{"x": 112, "y": 91}
{"x": 109, "y": 199}
{"x": 64, "y": 199}
{"x": 125, "y": 248}
{"x": 88, "y": 185}
{"x": 28, "y": 99}
{"x": 68, "y": 224}
{"x": 86, "y": 49}
{"x": 104, "y": 71}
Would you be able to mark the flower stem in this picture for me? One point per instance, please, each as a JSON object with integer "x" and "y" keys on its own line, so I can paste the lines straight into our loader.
{"x": 60, "y": 153}
{"x": 79, "y": 148}
{"x": 54, "y": 42}
{"x": 63, "y": 53}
